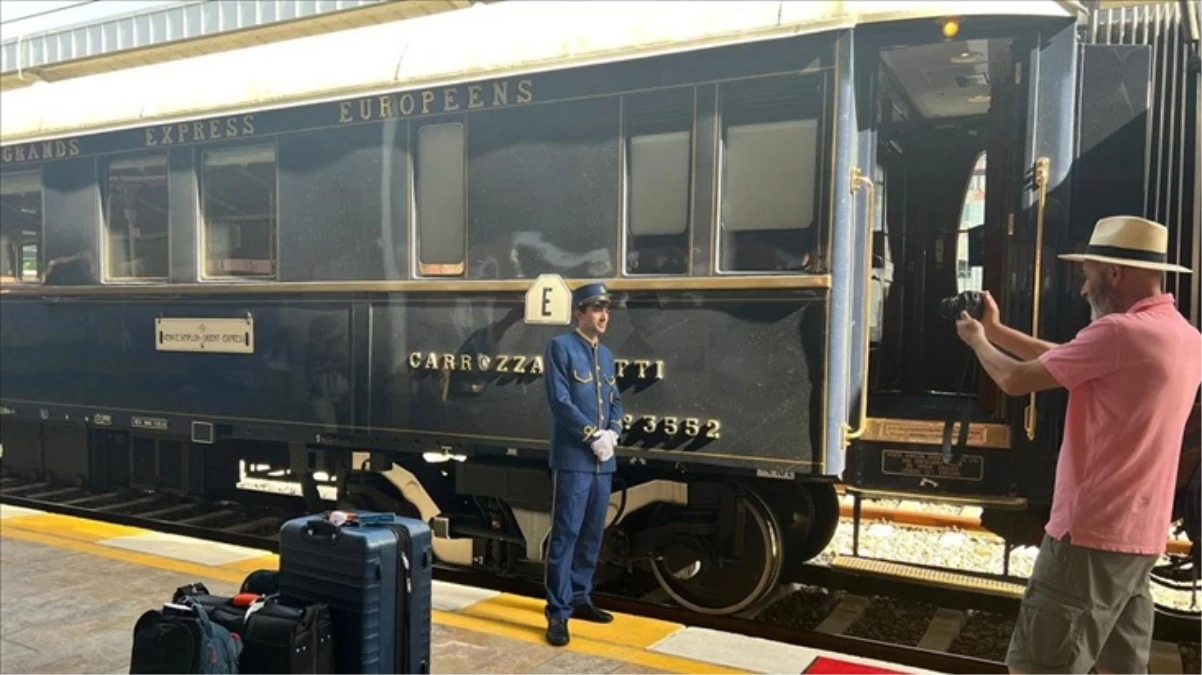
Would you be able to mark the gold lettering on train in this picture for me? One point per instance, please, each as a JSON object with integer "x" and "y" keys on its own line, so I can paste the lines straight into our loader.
{"x": 41, "y": 150}
{"x": 481, "y": 363}
{"x": 641, "y": 369}
{"x": 193, "y": 132}
{"x": 434, "y": 101}
{"x": 673, "y": 426}
{"x": 519, "y": 364}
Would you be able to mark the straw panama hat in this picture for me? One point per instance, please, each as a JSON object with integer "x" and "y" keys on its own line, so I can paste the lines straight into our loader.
{"x": 1130, "y": 241}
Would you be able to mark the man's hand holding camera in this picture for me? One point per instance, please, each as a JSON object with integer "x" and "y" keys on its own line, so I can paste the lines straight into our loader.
{"x": 979, "y": 325}
{"x": 970, "y": 329}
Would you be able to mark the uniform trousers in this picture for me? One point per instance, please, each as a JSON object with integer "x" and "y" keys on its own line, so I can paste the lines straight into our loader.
{"x": 579, "y": 502}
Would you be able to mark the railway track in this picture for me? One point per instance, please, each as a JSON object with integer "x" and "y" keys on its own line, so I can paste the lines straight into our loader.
{"x": 948, "y": 521}
{"x": 853, "y": 617}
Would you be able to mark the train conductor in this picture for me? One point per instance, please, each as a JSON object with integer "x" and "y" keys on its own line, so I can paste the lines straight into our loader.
{"x": 587, "y": 418}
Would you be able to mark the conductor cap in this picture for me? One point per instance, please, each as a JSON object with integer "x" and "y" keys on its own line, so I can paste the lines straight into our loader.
{"x": 590, "y": 294}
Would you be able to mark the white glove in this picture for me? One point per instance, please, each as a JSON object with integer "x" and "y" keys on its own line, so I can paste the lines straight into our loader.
{"x": 611, "y": 447}
{"x": 602, "y": 445}
{"x": 607, "y": 451}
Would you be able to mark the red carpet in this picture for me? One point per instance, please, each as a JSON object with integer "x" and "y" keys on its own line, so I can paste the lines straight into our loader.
{"x": 825, "y": 666}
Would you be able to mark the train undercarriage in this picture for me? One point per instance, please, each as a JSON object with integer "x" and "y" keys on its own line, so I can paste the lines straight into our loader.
{"x": 714, "y": 543}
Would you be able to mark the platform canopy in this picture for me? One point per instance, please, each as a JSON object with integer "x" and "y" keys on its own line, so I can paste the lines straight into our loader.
{"x": 177, "y": 29}
{"x": 481, "y": 42}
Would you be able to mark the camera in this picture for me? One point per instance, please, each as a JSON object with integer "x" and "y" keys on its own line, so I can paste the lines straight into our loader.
{"x": 968, "y": 301}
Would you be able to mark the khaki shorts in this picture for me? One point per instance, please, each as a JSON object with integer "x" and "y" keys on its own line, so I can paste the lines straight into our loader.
{"x": 1082, "y": 608}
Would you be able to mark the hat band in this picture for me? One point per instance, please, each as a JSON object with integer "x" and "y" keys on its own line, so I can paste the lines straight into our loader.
{"x": 1128, "y": 253}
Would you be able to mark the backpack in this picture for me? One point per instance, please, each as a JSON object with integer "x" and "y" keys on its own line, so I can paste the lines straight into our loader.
{"x": 181, "y": 639}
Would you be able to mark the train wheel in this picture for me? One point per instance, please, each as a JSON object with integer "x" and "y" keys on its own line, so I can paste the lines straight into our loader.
{"x": 693, "y": 575}
{"x": 808, "y": 515}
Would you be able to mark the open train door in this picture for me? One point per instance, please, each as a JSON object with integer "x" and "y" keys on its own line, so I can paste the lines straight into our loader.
{"x": 932, "y": 108}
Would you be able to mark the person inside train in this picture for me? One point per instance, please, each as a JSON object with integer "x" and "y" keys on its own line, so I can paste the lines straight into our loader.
{"x": 1132, "y": 375}
{"x": 586, "y": 411}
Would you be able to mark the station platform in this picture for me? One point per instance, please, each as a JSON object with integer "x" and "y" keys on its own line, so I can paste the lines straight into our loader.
{"x": 71, "y": 590}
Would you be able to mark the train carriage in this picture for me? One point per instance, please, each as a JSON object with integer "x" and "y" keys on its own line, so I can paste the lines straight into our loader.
{"x": 313, "y": 254}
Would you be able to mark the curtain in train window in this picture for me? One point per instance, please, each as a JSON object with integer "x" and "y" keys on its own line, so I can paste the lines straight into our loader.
{"x": 772, "y": 130}
{"x": 659, "y": 148}
{"x": 441, "y": 203}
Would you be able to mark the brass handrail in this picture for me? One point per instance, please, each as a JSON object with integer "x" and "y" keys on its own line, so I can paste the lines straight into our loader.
{"x": 858, "y": 180}
{"x": 1040, "y": 178}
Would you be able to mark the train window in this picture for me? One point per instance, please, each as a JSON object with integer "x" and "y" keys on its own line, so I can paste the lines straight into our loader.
{"x": 239, "y": 202}
{"x": 543, "y": 190}
{"x": 770, "y": 158}
{"x": 136, "y": 218}
{"x": 21, "y": 227}
{"x": 972, "y": 217}
{"x": 659, "y": 138}
{"x": 441, "y": 203}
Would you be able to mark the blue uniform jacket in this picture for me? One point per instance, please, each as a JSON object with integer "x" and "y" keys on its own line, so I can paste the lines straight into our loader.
{"x": 582, "y": 391}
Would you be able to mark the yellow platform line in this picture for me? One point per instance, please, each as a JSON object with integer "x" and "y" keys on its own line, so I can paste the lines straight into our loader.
{"x": 70, "y": 527}
{"x": 510, "y": 616}
{"x": 100, "y": 550}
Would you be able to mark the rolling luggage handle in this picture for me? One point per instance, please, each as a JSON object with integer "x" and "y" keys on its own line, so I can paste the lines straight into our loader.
{"x": 321, "y": 532}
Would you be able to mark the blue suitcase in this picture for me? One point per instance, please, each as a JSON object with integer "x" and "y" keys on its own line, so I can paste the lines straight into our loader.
{"x": 374, "y": 573}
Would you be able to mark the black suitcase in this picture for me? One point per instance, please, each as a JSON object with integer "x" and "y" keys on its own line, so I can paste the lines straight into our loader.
{"x": 279, "y": 634}
{"x": 375, "y": 575}
{"x": 284, "y": 636}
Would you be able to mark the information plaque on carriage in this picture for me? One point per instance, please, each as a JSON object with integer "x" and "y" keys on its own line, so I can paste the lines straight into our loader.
{"x": 225, "y": 336}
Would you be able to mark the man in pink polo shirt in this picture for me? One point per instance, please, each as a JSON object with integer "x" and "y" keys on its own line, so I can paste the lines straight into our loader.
{"x": 1132, "y": 374}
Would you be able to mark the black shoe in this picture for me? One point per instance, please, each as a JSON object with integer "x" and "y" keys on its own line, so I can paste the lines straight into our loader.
{"x": 591, "y": 612}
{"x": 557, "y": 632}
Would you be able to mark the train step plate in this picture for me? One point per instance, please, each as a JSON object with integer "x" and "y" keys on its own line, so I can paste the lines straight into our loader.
{"x": 922, "y": 575}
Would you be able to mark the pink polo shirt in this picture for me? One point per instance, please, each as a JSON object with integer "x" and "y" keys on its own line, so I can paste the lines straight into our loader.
{"x": 1132, "y": 379}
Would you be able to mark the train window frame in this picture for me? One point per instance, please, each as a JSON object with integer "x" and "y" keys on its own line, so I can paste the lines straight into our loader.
{"x": 106, "y": 216}
{"x": 437, "y": 269}
{"x": 977, "y": 182}
{"x": 200, "y": 155}
{"x": 819, "y": 119}
{"x": 35, "y": 176}
{"x": 632, "y": 129}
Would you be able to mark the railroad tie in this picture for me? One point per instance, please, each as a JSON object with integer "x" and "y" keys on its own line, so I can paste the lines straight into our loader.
{"x": 944, "y": 628}
{"x": 847, "y": 612}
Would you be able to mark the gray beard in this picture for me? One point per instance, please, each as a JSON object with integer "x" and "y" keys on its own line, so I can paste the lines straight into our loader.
{"x": 1099, "y": 304}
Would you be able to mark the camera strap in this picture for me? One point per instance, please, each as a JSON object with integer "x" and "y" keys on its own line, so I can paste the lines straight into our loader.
{"x": 968, "y": 382}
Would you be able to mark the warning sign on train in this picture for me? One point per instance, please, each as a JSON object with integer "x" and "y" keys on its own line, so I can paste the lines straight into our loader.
{"x": 227, "y": 336}
{"x": 549, "y": 301}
